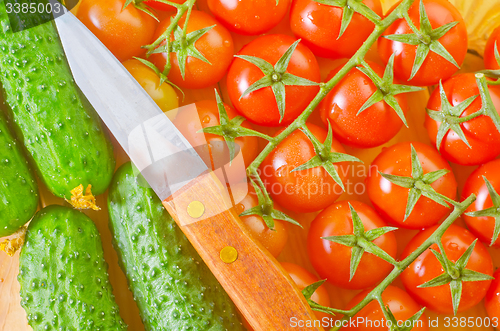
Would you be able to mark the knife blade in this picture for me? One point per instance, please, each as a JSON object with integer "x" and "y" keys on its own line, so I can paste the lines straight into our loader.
{"x": 193, "y": 195}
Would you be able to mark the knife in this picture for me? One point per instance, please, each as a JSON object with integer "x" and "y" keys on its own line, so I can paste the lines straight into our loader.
{"x": 192, "y": 194}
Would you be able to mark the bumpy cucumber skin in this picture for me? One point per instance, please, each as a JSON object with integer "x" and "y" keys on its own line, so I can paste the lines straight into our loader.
{"x": 63, "y": 275}
{"x": 18, "y": 187}
{"x": 60, "y": 129}
{"x": 172, "y": 286}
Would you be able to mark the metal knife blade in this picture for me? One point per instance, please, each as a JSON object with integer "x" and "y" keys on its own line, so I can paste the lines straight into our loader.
{"x": 142, "y": 129}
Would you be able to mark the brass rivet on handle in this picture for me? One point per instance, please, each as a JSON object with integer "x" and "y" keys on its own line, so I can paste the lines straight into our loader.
{"x": 228, "y": 254}
{"x": 195, "y": 209}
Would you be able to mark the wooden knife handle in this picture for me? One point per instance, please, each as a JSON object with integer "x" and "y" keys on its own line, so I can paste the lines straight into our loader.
{"x": 255, "y": 281}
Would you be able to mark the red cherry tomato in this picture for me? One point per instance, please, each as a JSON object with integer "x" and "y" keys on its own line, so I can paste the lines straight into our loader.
{"x": 303, "y": 278}
{"x": 390, "y": 199}
{"x": 216, "y": 46}
{"x": 318, "y": 26}
{"x": 260, "y": 106}
{"x": 435, "y": 67}
{"x": 490, "y": 62}
{"x": 190, "y": 121}
{"x": 375, "y": 125}
{"x": 426, "y": 267}
{"x": 492, "y": 299}
{"x": 305, "y": 190}
{"x": 482, "y": 227}
{"x": 332, "y": 260}
{"x": 273, "y": 240}
{"x": 400, "y": 304}
{"x": 249, "y": 17}
{"x": 122, "y": 31}
{"x": 480, "y": 132}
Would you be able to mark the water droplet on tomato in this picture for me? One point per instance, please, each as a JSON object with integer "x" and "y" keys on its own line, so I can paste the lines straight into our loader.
{"x": 240, "y": 208}
{"x": 206, "y": 119}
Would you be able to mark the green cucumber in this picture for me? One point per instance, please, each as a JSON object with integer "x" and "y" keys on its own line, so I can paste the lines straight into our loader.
{"x": 172, "y": 286}
{"x": 60, "y": 129}
{"x": 18, "y": 187}
{"x": 63, "y": 275}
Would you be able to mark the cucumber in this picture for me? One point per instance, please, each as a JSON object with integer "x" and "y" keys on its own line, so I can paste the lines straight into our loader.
{"x": 172, "y": 286}
{"x": 63, "y": 275}
{"x": 18, "y": 187}
{"x": 52, "y": 118}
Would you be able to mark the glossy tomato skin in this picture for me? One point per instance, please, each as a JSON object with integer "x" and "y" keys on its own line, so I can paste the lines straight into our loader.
{"x": 123, "y": 32}
{"x": 490, "y": 61}
{"x": 400, "y": 303}
{"x": 390, "y": 199}
{"x": 318, "y": 26}
{"x": 189, "y": 121}
{"x": 249, "y": 17}
{"x": 435, "y": 67}
{"x": 332, "y": 261}
{"x": 426, "y": 267}
{"x": 480, "y": 132}
{"x": 260, "y": 106}
{"x": 273, "y": 240}
{"x": 492, "y": 299}
{"x": 375, "y": 125}
{"x": 482, "y": 227}
{"x": 164, "y": 95}
{"x": 305, "y": 190}
{"x": 216, "y": 46}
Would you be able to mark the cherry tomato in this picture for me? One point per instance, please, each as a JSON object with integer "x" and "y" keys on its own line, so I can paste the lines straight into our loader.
{"x": 480, "y": 132}
{"x": 435, "y": 67}
{"x": 332, "y": 260}
{"x": 190, "y": 121}
{"x": 490, "y": 62}
{"x": 304, "y": 190}
{"x": 318, "y": 26}
{"x": 273, "y": 240}
{"x": 303, "y": 278}
{"x": 249, "y": 17}
{"x": 260, "y": 106}
{"x": 123, "y": 32}
{"x": 492, "y": 299}
{"x": 426, "y": 267}
{"x": 164, "y": 95}
{"x": 390, "y": 199}
{"x": 482, "y": 227}
{"x": 375, "y": 125}
{"x": 400, "y": 304}
{"x": 216, "y": 46}
{"x": 162, "y": 6}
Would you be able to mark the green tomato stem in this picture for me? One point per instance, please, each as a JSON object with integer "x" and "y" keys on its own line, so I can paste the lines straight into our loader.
{"x": 376, "y": 293}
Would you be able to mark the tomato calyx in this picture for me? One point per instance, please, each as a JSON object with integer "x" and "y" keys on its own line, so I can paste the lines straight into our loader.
{"x": 397, "y": 325}
{"x": 276, "y": 77}
{"x": 361, "y": 241}
{"x": 231, "y": 129}
{"x": 426, "y": 39}
{"x": 324, "y": 156}
{"x": 449, "y": 117}
{"x": 163, "y": 78}
{"x": 455, "y": 273}
{"x": 265, "y": 209}
{"x": 490, "y": 212}
{"x": 349, "y": 7}
{"x": 494, "y": 73}
{"x": 419, "y": 184}
{"x": 308, "y": 291}
{"x": 386, "y": 89}
{"x": 142, "y": 7}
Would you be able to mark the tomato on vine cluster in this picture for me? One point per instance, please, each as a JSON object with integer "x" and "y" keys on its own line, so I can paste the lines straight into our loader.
{"x": 268, "y": 68}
